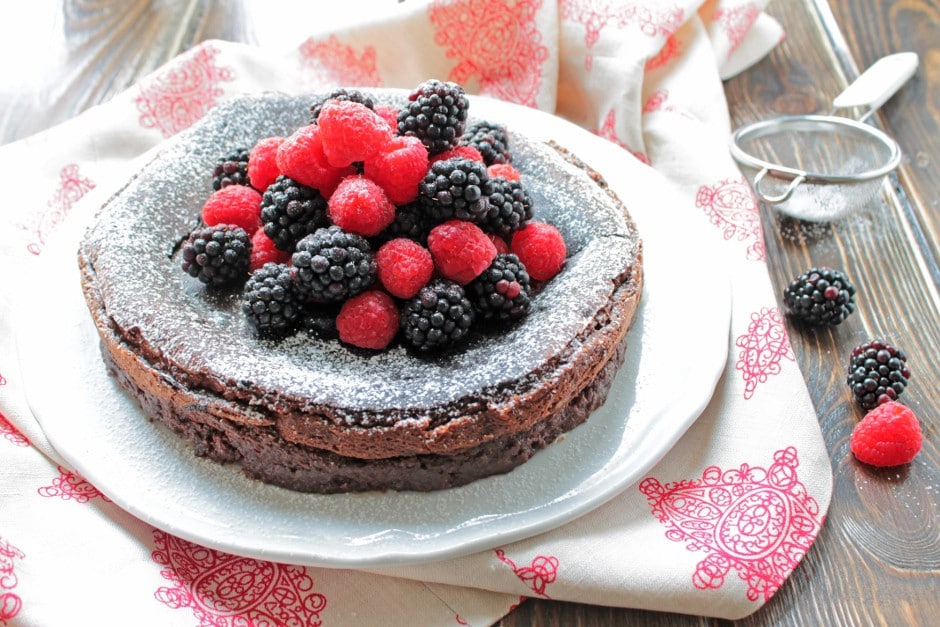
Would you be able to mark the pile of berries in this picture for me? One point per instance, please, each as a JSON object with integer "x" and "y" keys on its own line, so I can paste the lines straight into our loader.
{"x": 387, "y": 222}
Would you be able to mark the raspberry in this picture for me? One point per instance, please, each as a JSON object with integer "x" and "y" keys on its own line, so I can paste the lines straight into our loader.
{"x": 541, "y": 249}
{"x": 351, "y": 132}
{"x": 301, "y": 157}
{"x": 360, "y": 206}
{"x": 399, "y": 168}
{"x": 388, "y": 113}
{"x": 490, "y": 139}
{"x": 232, "y": 169}
{"x": 264, "y": 251}
{"x": 404, "y": 267}
{"x": 466, "y": 152}
{"x": 369, "y": 320}
{"x": 234, "y": 204}
{"x": 503, "y": 170}
{"x": 888, "y": 435}
{"x": 217, "y": 255}
{"x": 340, "y": 94}
{"x": 461, "y": 250}
{"x": 436, "y": 112}
{"x": 262, "y": 162}
{"x": 502, "y": 248}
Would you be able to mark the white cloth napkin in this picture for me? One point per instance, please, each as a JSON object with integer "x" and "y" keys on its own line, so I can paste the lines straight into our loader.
{"x": 715, "y": 528}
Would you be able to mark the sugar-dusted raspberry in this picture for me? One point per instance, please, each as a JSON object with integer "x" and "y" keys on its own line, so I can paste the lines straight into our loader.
{"x": 888, "y": 435}
{"x": 302, "y": 159}
{"x": 541, "y": 249}
{"x": 398, "y": 168}
{"x": 368, "y": 320}
{"x": 360, "y": 206}
{"x": 351, "y": 132}
{"x": 262, "y": 162}
{"x": 461, "y": 250}
{"x": 467, "y": 152}
{"x": 503, "y": 170}
{"x": 388, "y": 113}
{"x": 502, "y": 248}
{"x": 263, "y": 251}
{"x": 404, "y": 266}
{"x": 234, "y": 204}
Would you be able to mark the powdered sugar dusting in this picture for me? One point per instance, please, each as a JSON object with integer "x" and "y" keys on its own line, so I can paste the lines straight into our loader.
{"x": 134, "y": 245}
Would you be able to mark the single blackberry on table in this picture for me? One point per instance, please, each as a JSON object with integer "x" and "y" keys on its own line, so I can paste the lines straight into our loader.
{"x": 270, "y": 301}
{"x": 330, "y": 265}
{"x": 509, "y": 208}
{"x": 440, "y": 315}
{"x": 291, "y": 211}
{"x": 455, "y": 188}
{"x": 232, "y": 169}
{"x": 503, "y": 291}
{"x": 877, "y": 373}
{"x": 352, "y": 95}
{"x": 820, "y": 296}
{"x": 217, "y": 255}
{"x": 436, "y": 113}
{"x": 490, "y": 139}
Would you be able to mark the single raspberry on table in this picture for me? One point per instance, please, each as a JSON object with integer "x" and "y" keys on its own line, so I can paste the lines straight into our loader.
{"x": 234, "y": 204}
{"x": 359, "y": 205}
{"x": 398, "y": 168}
{"x": 351, "y": 132}
{"x": 263, "y": 250}
{"x": 461, "y": 250}
{"x": 368, "y": 320}
{"x": 541, "y": 249}
{"x": 301, "y": 157}
{"x": 404, "y": 267}
{"x": 888, "y": 435}
{"x": 262, "y": 162}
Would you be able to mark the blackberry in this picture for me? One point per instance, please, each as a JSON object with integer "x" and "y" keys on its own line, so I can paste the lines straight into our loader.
{"x": 455, "y": 188}
{"x": 436, "y": 113}
{"x": 270, "y": 301}
{"x": 330, "y": 265}
{"x": 410, "y": 221}
{"x": 509, "y": 208}
{"x": 217, "y": 255}
{"x": 877, "y": 373}
{"x": 340, "y": 94}
{"x": 490, "y": 139}
{"x": 320, "y": 319}
{"x": 820, "y": 296}
{"x": 503, "y": 291}
{"x": 438, "y": 316}
{"x": 291, "y": 211}
{"x": 232, "y": 169}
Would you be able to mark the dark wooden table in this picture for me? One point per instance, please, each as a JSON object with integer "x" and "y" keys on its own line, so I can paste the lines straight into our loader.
{"x": 877, "y": 560}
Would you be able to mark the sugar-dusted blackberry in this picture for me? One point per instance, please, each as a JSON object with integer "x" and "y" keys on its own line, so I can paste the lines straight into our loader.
{"x": 217, "y": 255}
{"x": 820, "y": 296}
{"x": 503, "y": 291}
{"x": 330, "y": 265}
{"x": 270, "y": 301}
{"x": 291, "y": 211}
{"x": 491, "y": 139}
{"x": 438, "y": 316}
{"x": 231, "y": 169}
{"x": 353, "y": 95}
{"x": 509, "y": 208}
{"x": 877, "y": 373}
{"x": 455, "y": 188}
{"x": 436, "y": 113}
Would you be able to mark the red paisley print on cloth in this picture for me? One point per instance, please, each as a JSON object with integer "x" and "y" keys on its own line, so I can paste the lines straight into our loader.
{"x": 494, "y": 42}
{"x": 69, "y": 190}
{"x": 731, "y": 206}
{"x": 70, "y": 487}
{"x": 608, "y": 132}
{"x": 595, "y": 15}
{"x": 329, "y": 63}
{"x": 10, "y": 433}
{"x": 538, "y": 575}
{"x": 763, "y": 347}
{"x": 182, "y": 92}
{"x": 758, "y": 522}
{"x": 224, "y": 590}
{"x": 10, "y": 602}
{"x": 736, "y": 22}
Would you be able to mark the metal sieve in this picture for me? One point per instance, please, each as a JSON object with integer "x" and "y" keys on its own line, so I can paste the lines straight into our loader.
{"x": 821, "y": 167}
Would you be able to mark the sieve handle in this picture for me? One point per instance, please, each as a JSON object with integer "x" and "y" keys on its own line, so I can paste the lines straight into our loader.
{"x": 775, "y": 199}
{"x": 878, "y": 83}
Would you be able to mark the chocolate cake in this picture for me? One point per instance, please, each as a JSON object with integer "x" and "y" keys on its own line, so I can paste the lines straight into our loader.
{"x": 314, "y": 415}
